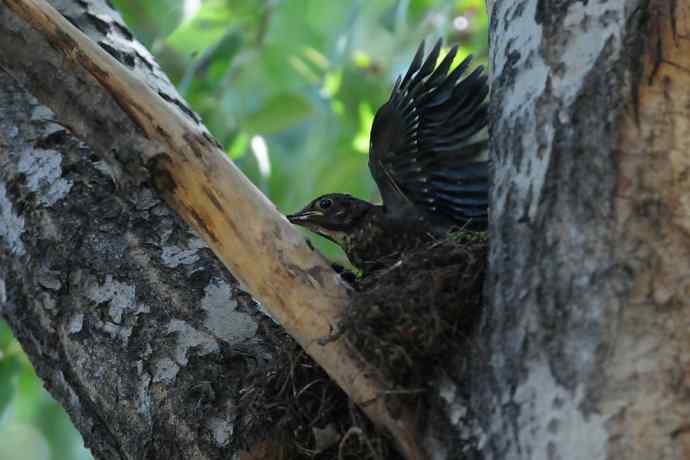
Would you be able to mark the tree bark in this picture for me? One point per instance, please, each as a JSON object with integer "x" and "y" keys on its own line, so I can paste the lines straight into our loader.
{"x": 127, "y": 316}
{"x": 585, "y": 347}
{"x": 123, "y": 310}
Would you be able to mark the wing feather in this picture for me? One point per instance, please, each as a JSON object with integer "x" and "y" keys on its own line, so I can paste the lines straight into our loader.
{"x": 422, "y": 154}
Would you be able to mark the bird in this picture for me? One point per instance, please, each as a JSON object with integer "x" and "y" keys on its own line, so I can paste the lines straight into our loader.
{"x": 426, "y": 160}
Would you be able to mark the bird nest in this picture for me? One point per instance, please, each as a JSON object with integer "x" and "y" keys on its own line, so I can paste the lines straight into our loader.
{"x": 407, "y": 320}
{"x": 290, "y": 409}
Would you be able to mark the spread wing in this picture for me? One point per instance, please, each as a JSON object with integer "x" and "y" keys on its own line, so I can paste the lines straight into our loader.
{"x": 421, "y": 154}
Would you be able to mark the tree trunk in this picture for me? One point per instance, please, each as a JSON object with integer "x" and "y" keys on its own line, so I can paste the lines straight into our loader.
{"x": 127, "y": 316}
{"x": 583, "y": 350}
{"x": 585, "y": 347}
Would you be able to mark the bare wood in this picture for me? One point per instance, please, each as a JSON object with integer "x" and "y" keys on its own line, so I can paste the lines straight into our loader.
{"x": 241, "y": 225}
{"x": 645, "y": 393}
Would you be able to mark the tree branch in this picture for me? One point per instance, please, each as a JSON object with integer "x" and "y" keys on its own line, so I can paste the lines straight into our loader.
{"x": 155, "y": 137}
{"x": 128, "y": 318}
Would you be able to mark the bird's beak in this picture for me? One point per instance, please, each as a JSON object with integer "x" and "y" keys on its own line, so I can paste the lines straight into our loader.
{"x": 302, "y": 216}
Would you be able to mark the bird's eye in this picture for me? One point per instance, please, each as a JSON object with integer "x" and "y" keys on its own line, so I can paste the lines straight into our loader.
{"x": 325, "y": 203}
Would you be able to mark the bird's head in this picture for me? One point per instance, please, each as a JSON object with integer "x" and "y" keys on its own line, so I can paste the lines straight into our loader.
{"x": 333, "y": 216}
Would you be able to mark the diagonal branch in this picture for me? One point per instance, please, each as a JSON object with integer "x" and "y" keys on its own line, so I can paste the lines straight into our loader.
{"x": 193, "y": 174}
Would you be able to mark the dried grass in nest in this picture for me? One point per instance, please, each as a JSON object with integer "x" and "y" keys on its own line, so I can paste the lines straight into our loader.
{"x": 410, "y": 318}
{"x": 405, "y": 319}
{"x": 293, "y": 403}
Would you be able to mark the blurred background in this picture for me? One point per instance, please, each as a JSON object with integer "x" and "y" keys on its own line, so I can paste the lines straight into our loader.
{"x": 290, "y": 87}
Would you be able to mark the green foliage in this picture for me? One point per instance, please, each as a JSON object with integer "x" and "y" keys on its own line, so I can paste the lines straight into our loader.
{"x": 9, "y": 367}
{"x": 278, "y": 114}
{"x": 151, "y": 19}
{"x": 307, "y": 77}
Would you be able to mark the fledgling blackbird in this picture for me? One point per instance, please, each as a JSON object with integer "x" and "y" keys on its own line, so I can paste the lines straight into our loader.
{"x": 425, "y": 162}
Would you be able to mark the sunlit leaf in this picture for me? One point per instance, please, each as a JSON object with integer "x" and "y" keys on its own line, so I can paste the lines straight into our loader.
{"x": 338, "y": 107}
{"x": 366, "y": 118}
{"x": 260, "y": 151}
{"x": 469, "y": 4}
{"x": 316, "y": 58}
{"x": 239, "y": 146}
{"x": 331, "y": 84}
{"x": 361, "y": 59}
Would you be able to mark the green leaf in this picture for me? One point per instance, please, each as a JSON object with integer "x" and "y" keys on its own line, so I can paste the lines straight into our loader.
{"x": 213, "y": 64}
{"x": 222, "y": 56}
{"x": 469, "y": 4}
{"x": 361, "y": 59}
{"x": 239, "y": 146}
{"x": 29, "y": 389}
{"x": 151, "y": 19}
{"x": 207, "y": 27}
{"x": 9, "y": 369}
{"x": 331, "y": 84}
{"x": 366, "y": 119}
{"x": 279, "y": 113}
{"x": 56, "y": 428}
{"x": 5, "y": 336}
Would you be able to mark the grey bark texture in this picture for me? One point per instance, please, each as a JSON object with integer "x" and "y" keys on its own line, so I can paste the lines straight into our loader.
{"x": 584, "y": 344}
{"x": 128, "y": 318}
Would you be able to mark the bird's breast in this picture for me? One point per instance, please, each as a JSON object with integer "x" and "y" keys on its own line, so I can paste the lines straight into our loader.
{"x": 378, "y": 241}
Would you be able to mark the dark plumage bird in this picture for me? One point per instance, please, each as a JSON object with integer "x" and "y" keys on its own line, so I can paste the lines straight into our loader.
{"x": 425, "y": 162}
